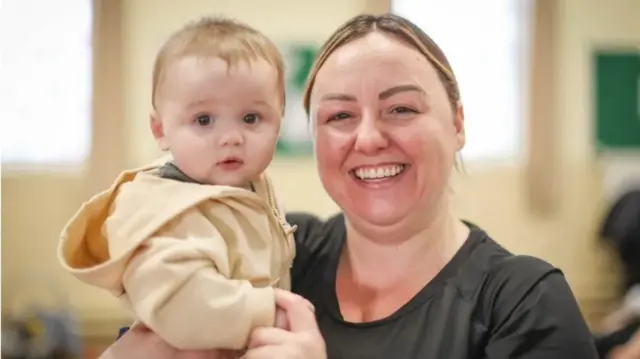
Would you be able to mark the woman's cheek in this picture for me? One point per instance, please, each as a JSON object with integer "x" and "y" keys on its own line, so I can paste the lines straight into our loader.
{"x": 328, "y": 156}
{"x": 332, "y": 143}
{"x": 323, "y": 150}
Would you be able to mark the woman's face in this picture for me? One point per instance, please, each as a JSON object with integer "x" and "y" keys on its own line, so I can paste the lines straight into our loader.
{"x": 386, "y": 134}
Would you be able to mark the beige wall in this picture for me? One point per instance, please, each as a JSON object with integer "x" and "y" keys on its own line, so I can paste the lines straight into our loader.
{"x": 491, "y": 196}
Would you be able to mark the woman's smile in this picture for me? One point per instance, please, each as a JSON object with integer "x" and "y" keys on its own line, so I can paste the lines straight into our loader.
{"x": 379, "y": 176}
{"x": 378, "y": 172}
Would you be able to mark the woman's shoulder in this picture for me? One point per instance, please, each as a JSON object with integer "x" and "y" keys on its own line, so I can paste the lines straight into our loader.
{"x": 525, "y": 304}
{"x": 516, "y": 279}
{"x": 499, "y": 273}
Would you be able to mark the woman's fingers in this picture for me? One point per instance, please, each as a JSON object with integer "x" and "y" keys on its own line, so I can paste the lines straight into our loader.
{"x": 268, "y": 336}
{"x": 303, "y": 341}
{"x": 300, "y": 311}
{"x": 283, "y": 297}
{"x": 267, "y": 352}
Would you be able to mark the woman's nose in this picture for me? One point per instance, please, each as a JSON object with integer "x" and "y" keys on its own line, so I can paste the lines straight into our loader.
{"x": 369, "y": 137}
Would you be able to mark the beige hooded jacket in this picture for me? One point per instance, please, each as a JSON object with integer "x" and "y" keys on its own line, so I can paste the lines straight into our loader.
{"x": 196, "y": 263}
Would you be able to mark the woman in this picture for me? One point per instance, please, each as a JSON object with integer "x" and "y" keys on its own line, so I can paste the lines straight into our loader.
{"x": 398, "y": 275}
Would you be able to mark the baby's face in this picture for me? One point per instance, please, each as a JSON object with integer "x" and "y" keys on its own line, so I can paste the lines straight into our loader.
{"x": 220, "y": 123}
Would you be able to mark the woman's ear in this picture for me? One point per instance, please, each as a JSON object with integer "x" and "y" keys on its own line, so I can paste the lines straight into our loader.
{"x": 459, "y": 126}
{"x": 157, "y": 129}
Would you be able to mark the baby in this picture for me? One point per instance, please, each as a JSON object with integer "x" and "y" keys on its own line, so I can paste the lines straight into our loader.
{"x": 195, "y": 246}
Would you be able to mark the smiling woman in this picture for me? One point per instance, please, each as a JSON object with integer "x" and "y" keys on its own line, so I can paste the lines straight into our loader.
{"x": 401, "y": 120}
{"x": 404, "y": 277}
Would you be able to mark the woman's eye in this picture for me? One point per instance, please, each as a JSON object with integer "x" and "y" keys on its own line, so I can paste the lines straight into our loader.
{"x": 402, "y": 110}
{"x": 203, "y": 120}
{"x": 250, "y": 119}
{"x": 339, "y": 116}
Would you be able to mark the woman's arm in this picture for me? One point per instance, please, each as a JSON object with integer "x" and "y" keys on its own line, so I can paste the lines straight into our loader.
{"x": 140, "y": 342}
{"x": 538, "y": 321}
{"x": 302, "y": 341}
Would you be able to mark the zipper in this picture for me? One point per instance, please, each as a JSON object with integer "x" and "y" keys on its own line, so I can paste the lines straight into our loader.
{"x": 286, "y": 228}
{"x": 276, "y": 218}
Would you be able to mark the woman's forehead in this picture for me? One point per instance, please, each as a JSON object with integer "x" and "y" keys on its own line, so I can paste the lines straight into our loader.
{"x": 375, "y": 60}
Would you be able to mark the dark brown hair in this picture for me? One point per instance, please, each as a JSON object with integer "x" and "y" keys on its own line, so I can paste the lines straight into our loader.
{"x": 393, "y": 25}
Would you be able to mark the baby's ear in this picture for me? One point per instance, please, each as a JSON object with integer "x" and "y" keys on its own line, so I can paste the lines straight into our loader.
{"x": 157, "y": 129}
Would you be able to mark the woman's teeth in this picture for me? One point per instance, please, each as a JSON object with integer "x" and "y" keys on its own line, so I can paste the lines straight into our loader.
{"x": 373, "y": 173}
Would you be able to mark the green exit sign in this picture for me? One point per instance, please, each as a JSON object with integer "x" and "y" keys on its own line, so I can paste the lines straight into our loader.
{"x": 617, "y": 99}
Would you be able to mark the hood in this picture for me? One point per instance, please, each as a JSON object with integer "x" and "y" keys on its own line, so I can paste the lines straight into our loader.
{"x": 98, "y": 241}
{"x": 83, "y": 245}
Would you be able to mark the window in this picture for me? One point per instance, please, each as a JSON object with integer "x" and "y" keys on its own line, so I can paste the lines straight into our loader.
{"x": 486, "y": 43}
{"x": 45, "y": 81}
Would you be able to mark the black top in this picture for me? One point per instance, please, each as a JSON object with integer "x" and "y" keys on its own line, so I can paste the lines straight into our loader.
{"x": 485, "y": 303}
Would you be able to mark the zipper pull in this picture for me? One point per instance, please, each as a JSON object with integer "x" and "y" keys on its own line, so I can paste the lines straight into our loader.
{"x": 289, "y": 229}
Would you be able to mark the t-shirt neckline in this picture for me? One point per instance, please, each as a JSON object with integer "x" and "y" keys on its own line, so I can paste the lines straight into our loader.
{"x": 448, "y": 272}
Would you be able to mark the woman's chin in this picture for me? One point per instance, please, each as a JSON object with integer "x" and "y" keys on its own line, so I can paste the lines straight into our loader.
{"x": 378, "y": 204}
{"x": 380, "y": 213}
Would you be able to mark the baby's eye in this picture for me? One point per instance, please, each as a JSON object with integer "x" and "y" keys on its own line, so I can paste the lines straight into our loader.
{"x": 204, "y": 120}
{"x": 250, "y": 118}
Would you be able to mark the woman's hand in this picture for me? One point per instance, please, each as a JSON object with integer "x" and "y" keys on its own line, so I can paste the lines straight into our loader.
{"x": 141, "y": 343}
{"x": 303, "y": 341}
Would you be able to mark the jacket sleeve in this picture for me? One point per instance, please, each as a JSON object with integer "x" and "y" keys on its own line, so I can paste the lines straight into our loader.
{"x": 178, "y": 288}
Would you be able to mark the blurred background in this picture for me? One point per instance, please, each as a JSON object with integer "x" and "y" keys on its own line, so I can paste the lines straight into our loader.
{"x": 550, "y": 87}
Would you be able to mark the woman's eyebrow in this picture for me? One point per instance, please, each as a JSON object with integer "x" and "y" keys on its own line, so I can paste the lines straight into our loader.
{"x": 382, "y": 96}
{"x": 337, "y": 97}
{"x": 398, "y": 89}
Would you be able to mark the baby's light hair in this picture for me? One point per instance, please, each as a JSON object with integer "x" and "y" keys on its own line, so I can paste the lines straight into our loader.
{"x": 227, "y": 39}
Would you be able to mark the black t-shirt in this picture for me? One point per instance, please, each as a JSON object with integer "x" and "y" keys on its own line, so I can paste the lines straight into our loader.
{"x": 485, "y": 303}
